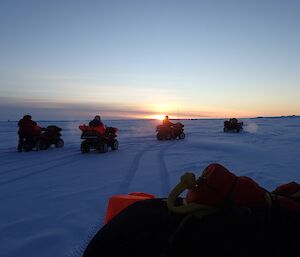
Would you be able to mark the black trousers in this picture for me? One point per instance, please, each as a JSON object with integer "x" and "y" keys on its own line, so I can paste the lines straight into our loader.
{"x": 22, "y": 138}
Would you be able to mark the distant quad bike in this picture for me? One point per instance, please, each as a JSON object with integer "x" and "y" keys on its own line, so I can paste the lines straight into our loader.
{"x": 42, "y": 139}
{"x": 98, "y": 138}
{"x": 232, "y": 125}
{"x": 166, "y": 132}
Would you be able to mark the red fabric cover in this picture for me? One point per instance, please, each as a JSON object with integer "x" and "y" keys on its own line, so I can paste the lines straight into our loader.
{"x": 37, "y": 130}
{"x": 99, "y": 129}
{"x": 287, "y": 203}
{"x": 248, "y": 193}
{"x": 219, "y": 184}
{"x": 117, "y": 203}
{"x": 287, "y": 189}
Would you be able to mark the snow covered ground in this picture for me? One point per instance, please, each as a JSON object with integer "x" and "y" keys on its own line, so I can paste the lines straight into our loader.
{"x": 53, "y": 201}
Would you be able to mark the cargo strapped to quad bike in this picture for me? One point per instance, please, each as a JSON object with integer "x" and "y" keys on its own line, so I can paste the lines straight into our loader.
{"x": 98, "y": 138}
{"x": 91, "y": 132}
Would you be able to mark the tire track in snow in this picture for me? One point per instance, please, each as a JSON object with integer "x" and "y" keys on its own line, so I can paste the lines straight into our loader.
{"x": 21, "y": 168}
{"x": 164, "y": 173}
{"x": 39, "y": 171}
{"x": 5, "y": 156}
{"x": 13, "y": 161}
{"x": 124, "y": 186}
{"x": 163, "y": 170}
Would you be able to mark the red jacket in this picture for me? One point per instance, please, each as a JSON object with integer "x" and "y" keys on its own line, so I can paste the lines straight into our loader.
{"x": 26, "y": 126}
{"x": 287, "y": 189}
{"x": 167, "y": 122}
{"x": 99, "y": 129}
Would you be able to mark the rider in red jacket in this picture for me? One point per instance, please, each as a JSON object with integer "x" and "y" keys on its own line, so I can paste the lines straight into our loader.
{"x": 26, "y": 125}
{"x": 167, "y": 122}
{"x": 97, "y": 124}
{"x": 26, "y": 130}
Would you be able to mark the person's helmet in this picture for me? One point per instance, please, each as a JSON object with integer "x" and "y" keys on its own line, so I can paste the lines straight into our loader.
{"x": 97, "y": 117}
{"x": 27, "y": 116}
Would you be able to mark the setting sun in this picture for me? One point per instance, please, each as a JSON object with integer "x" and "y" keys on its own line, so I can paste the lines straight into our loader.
{"x": 157, "y": 117}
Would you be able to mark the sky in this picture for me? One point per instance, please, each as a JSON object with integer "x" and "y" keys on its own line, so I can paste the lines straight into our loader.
{"x": 70, "y": 59}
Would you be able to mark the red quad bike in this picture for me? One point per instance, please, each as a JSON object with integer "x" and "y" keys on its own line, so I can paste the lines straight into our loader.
{"x": 98, "y": 138}
{"x": 166, "y": 132}
{"x": 232, "y": 125}
{"x": 42, "y": 139}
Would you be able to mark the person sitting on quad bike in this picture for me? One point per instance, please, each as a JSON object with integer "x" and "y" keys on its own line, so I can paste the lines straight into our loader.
{"x": 97, "y": 125}
{"x": 233, "y": 125}
{"x": 98, "y": 137}
{"x": 37, "y": 137}
{"x": 167, "y": 122}
{"x": 27, "y": 130}
{"x": 168, "y": 130}
{"x": 96, "y": 122}
{"x": 167, "y": 126}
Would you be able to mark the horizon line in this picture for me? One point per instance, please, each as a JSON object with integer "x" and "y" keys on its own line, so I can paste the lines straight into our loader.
{"x": 204, "y": 118}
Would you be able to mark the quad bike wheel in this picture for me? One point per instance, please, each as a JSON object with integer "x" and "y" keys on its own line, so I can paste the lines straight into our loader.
{"x": 85, "y": 147}
{"x": 159, "y": 136}
{"x": 181, "y": 135}
{"x": 41, "y": 145}
{"x": 115, "y": 145}
{"x": 168, "y": 137}
{"x": 59, "y": 143}
{"x": 103, "y": 148}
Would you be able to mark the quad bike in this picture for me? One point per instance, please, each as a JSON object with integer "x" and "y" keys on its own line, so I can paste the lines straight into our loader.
{"x": 167, "y": 132}
{"x": 41, "y": 139}
{"x": 232, "y": 125}
{"x": 98, "y": 138}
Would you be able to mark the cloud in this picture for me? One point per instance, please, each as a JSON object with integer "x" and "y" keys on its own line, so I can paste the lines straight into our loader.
{"x": 14, "y": 108}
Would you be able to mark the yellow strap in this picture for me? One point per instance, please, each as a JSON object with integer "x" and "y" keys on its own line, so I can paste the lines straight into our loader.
{"x": 296, "y": 195}
{"x": 187, "y": 181}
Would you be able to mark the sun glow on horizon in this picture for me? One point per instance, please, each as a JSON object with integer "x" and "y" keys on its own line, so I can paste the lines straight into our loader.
{"x": 156, "y": 117}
